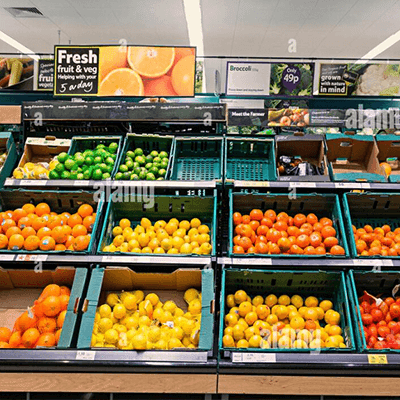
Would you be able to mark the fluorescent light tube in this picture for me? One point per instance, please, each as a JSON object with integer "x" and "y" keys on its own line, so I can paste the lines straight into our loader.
{"x": 17, "y": 45}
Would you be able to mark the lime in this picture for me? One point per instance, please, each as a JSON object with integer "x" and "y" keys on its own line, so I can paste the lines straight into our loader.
{"x": 103, "y": 167}
{"x": 137, "y": 170}
{"x": 128, "y": 159}
{"x": 84, "y": 167}
{"x": 123, "y": 168}
{"x": 142, "y": 175}
{"x": 141, "y": 160}
{"x": 113, "y": 147}
{"x": 136, "y": 164}
{"x": 154, "y": 153}
{"x": 113, "y": 156}
{"x": 164, "y": 163}
{"x": 149, "y": 159}
{"x": 138, "y": 152}
{"x": 54, "y": 174}
{"x": 79, "y": 170}
{"x": 157, "y": 164}
{"x": 88, "y": 153}
{"x": 130, "y": 154}
{"x": 98, "y": 160}
{"x": 65, "y": 175}
{"x": 127, "y": 176}
{"x": 118, "y": 176}
{"x": 110, "y": 168}
{"x": 100, "y": 146}
{"x": 154, "y": 170}
{"x": 87, "y": 174}
{"x": 89, "y": 160}
{"x": 148, "y": 165}
{"x": 73, "y": 175}
{"x": 106, "y": 175}
{"x": 80, "y": 176}
{"x": 150, "y": 177}
{"x": 97, "y": 174}
{"x": 109, "y": 161}
{"x": 157, "y": 159}
{"x": 70, "y": 163}
{"x": 134, "y": 177}
{"x": 62, "y": 157}
{"x": 160, "y": 179}
{"x": 163, "y": 154}
{"x": 80, "y": 160}
{"x": 77, "y": 154}
{"x": 129, "y": 164}
{"x": 59, "y": 168}
{"x": 162, "y": 172}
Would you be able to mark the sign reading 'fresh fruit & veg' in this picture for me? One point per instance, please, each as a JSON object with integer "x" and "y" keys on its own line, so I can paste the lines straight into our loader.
{"x": 134, "y": 71}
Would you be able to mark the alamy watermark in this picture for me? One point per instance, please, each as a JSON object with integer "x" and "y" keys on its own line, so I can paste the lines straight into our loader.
{"x": 372, "y": 119}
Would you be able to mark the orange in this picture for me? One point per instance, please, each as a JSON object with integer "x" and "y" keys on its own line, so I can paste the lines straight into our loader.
{"x": 284, "y": 245}
{"x": 360, "y": 246}
{"x": 261, "y": 248}
{"x": 42, "y": 208}
{"x": 121, "y": 82}
{"x": 306, "y": 228}
{"x": 326, "y": 221}
{"x": 32, "y": 243}
{"x": 337, "y": 250}
{"x": 320, "y": 250}
{"x": 29, "y": 208}
{"x": 281, "y": 226}
{"x": 88, "y": 222}
{"x": 14, "y": 230}
{"x": 256, "y": 215}
{"x": 254, "y": 225}
{"x": 312, "y": 219}
{"x": 317, "y": 227}
{"x": 58, "y": 234}
{"x": 64, "y": 299}
{"x": 50, "y": 290}
{"x": 267, "y": 222}
{"x": 18, "y": 214}
{"x": 386, "y": 167}
{"x": 183, "y": 76}
{"x": 246, "y": 219}
{"x": 47, "y": 243}
{"x": 161, "y": 86}
{"x": 51, "y": 306}
{"x": 38, "y": 223}
{"x": 271, "y": 214}
{"x": 274, "y": 248}
{"x": 15, "y": 339}
{"x": 330, "y": 242}
{"x": 42, "y": 232}
{"x": 7, "y": 224}
{"x": 24, "y": 222}
{"x": 181, "y": 52}
{"x": 386, "y": 228}
{"x": 299, "y": 220}
{"x": 16, "y": 242}
{"x": 238, "y": 250}
{"x": 67, "y": 230}
{"x": 315, "y": 239}
{"x": 54, "y": 221}
{"x": 60, "y": 319}
{"x": 5, "y": 334}
{"x": 262, "y": 230}
{"x": 328, "y": 231}
{"x": 46, "y": 340}
{"x": 295, "y": 249}
{"x": 30, "y": 337}
{"x": 74, "y": 219}
{"x": 60, "y": 247}
{"x": 24, "y": 322}
{"x": 303, "y": 241}
{"x": 112, "y": 57}
{"x": 79, "y": 230}
{"x": 57, "y": 336}
{"x": 4, "y": 345}
{"x": 70, "y": 241}
{"x": 274, "y": 235}
{"x": 293, "y": 231}
{"x": 85, "y": 210}
{"x": 47, "y": 324}
{"x": 152, "y": 62}
{"x": 81, "y": 243}
{"x": 65, "y": 215}
{"x": 309, "y": 250}
{"x": 245, "y": 243}
{"x": 237, "y": 218}
{"x": 65, "y": 290}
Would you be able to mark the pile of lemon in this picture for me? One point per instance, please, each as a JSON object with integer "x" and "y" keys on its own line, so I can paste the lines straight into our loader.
{"x": 34, "y": 170}
{"x": 172, "y": 237}
{"x": 133, "y": 321}
{"x": 284, "y": 322}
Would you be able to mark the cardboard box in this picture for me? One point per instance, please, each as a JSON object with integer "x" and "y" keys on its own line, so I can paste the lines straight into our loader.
{"x": 10, "y": 115}
{"x": 7, "y": 144}
{"x": 354, "y": 158}
{"x": 19, "y": 288}
{"x": 309, "y": 148}
{"x": 389, "y": 151}
{"x": 38, "y": 150}
{"x": 168, "y": 286}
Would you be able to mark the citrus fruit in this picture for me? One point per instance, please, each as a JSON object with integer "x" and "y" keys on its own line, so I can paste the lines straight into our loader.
{"x": 159, "y": 87}
{"x": 121, "y": 82}
{"x": 110, "y": 58}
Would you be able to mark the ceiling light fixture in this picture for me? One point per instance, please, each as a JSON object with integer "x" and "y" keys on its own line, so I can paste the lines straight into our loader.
{"x": 381, "y": 47}
{"x": 17, "y": 45}
{"x": 193, "y": 20}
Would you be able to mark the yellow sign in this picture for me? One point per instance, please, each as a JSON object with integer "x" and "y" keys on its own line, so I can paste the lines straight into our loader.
{"x": 377, "y": 359}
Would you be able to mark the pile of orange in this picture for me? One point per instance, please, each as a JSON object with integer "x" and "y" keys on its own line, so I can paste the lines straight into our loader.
{"x": 146, "y": 71}
{"x": 379, "y": 241}
{"x": 41, "y": 325}
{"x": 271, "y": 233}
{"x": 33, "y": 228}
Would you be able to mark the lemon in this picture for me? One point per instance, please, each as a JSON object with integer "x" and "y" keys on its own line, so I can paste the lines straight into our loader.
{"x": 191, "y": 294}
{"x": 166, "y": 244}
{"x": 154, "y": 334}
{"x": 332, "y": 341}
{"x": 139, "y": 295}
{"x": 299, "y": 344}
{"x": 162, "y": 344}
{"x": 205, "y": 238}
{"x": 139, "y": 342}
{"x": 123, "y": 341}
{"x": 297, "y": 322}
{"x": 112, "y": 300}
{"x": 120, "y": 328}
{"x": 297, "y": 301}
{"x": 124, "y": 223}
{"x": 154, "y": 243}
{"x": 285, "y": 342}
{"x": 131, "y": 323}
{"x": 144, "y": 320}
{"x": 136, "y": 250}
{"x": 188, "y": 326}
{"x": 186, "y": 248}
{"x": 112, "y": 248}
{"x": 106, "y": 249}
{"x": 133, "y": 244}
{"x": 145, "y": 308}
{"x": 194, "y": 307}
{"x": 159, "y": 250}
{"x": 105, "y": 324}
{"x": 173, "y": 221}
{"x": 203, "y": 229}
{"x": 118, "y": 240}
{"x": 179, "y": 232}
{"x": 185, "y": 224}
{"x": 271, "y": 300}
{"x": 97, "y": 317}
{"x": 228, "y": 341}
{"x": 197, "y": 250}
{"x": 316, "y": 344}
{"x": 186, "y": 342}
{"x": 162, "y": 234}
{"x": 145, "y": 223}
{"x": 127, "y": 232}
{"x": 194, "y": 245}
{"x": 195, "y": 223}
{"x": 147, "y": 250}
{"x": 311, "y": 301}
{"x": 304, "y": 335}
{"x": 119, "y": 311}
{"x": 99, "y": 344}
{"x": 130, "y": 334}
{"x": 105, "y": 311}
{"x": 132, "y": 236}
{"x": 160, "y": 224}
{"x": 130, "y": 302}
{"x": 139, "y": 229}
{"x": 93, "y": 341}
{"x": 174, "y": 343}
{"x": 124, "y": 248}
{"x": 151, "y": 234}
{"x": 100, "y": 337}
{"x": 173, "y": 251}
{"x": 193, "y": 232}
{"x": 187, "y": 239}
{"x": 206, "y": 248}
{"x": 242, "y": 343}
{"x": 166, "y": 316}
{"x": 284, "y": 300}
{"x": 113, "y": 319}
{"x": 177, "y": 332}
{"x": 169, "y": 306}
{"x": 171, "y": 228}
{"x": 326, "y": 305}
{"x": 143, "y": 239}
{"x": 153, "y": 298}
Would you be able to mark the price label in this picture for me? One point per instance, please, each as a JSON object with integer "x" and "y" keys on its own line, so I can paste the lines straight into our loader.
{"x": 253, "y": 184}
{"x": 303, "y": 184}
{"x": 116, "y": 259}
{"x": 85, "y": 355}
{"x": 81, "y": 182}
{"x": 31, "y": 182}
{"x": 254, "y": 357}
{"x": 9, "y": 182}
{"x": 377, "y": 359}
{"x": 6, "y": 257}
{"x": 31, "y": 257}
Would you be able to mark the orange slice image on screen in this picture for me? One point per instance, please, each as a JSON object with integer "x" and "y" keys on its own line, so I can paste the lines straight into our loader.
{"x": 181, "y": 52}
{"x": 183, "y": 76}
{"x": 110, "y": 58}
{"x": 121, "y": 82}
{"x": 159, "y": 87}
{"x": 151, "y": 62}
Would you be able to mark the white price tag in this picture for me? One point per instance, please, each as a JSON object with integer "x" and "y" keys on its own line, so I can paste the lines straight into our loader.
{"x": 365, "y": 186}
{"x": 116, "y": 259}
{"x": 31, "y": 257}
{"x": 254, "y": 357}
{"x": 252, "y": 184}
{"x": 32, "y": 182}
{"x": 303, "y": 184}
{"x": 6, "y": 257}
{"x": 78, "y": 182}
{"x": 9, "y": 182}
{"x": 85, "y": 355}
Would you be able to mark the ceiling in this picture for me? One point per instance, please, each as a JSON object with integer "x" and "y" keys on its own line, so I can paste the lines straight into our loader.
{"x": 321, "y": 28}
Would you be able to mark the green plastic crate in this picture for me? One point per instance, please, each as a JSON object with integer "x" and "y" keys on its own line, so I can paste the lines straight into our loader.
{"x": 375, "y": 283}
{"x": 322, "y": 284}
{"x": 82, "y": 143}
{"x": 250, "y": 159}
{"x": 323, "y": 205}
{"x": 59, "y": 201}
{"x": 7, "y": 142}
{"x": 116, "y": 279}
{"x": 198, "y": 159}
{"x": 159, "y": 207}
{"x": 31, "y": 283}
{"x": 147, "y": 143}
{"x": 375, "y": 209}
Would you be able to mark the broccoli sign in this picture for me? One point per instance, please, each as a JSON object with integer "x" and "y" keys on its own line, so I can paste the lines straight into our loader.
{"x": 292, "y": 79}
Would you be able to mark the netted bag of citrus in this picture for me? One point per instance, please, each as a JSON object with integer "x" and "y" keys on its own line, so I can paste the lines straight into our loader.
{"x": 41, "y": 324}
{"x": 146, "y": 71}
{"x": 94, "y": 164}
{"x": 271, "y": 233}
{"x": 133, "y": 321}
{"x": 172, "y": 237}
{"x": 140, "y": 166}
{"x": 38, "y": 228}
{"x": 281, "y": 322}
